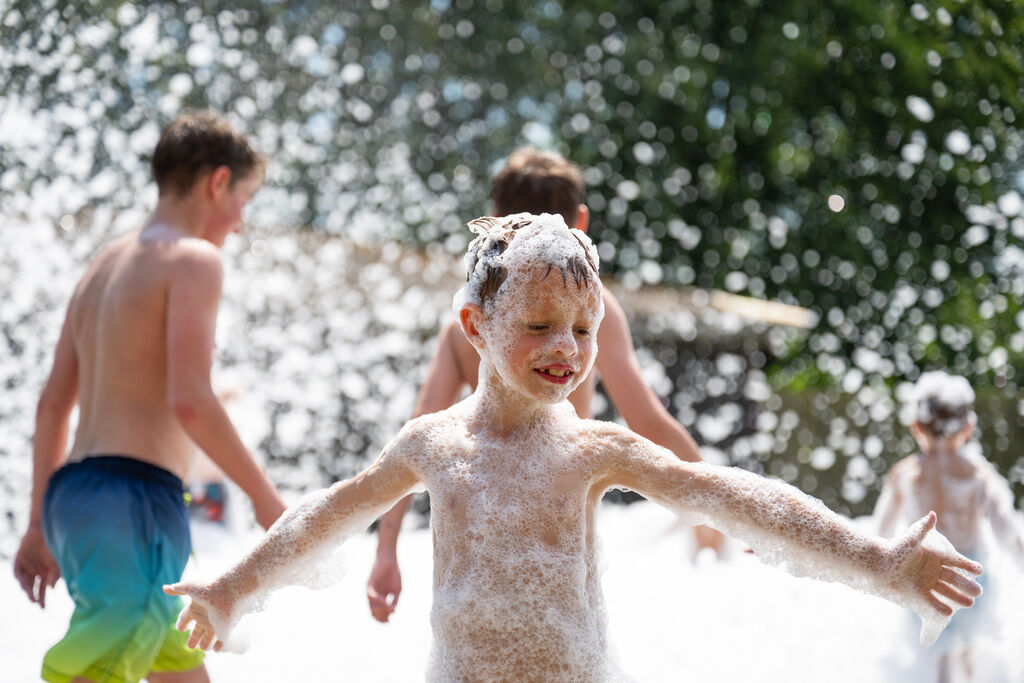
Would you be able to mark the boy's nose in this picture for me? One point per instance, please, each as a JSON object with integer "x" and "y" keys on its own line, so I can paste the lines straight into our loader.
{"x": 564, "y": 343}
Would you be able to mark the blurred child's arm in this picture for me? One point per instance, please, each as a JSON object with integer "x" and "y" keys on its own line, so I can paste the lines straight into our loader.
{"x": 301, "y": 537}
{"x": 445, "y": 379}
{"x": 637, "y": 403}
{"x": 1005, "y": 521}
{"x": 192, "y": 301}
{"x": 632, "y": 397}
{"x": 34, "y": 566}
{"x": 787, "y": 527}
{"x": 888, "y": 505}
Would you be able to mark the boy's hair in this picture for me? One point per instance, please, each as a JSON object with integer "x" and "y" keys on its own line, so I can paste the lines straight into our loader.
{"x": 945, "y": 403}
{"x": 197, "y": 143}
{"x": 536, "y": 182}
{"x": 486, "y": 271}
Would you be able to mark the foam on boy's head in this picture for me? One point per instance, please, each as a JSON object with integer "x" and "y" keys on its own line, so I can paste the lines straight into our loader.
{"x": 508, "y": 244}
{"x": 944, "y": 403}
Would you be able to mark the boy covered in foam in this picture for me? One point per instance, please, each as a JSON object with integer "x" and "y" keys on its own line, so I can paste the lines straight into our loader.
{"x": 515, "y": 478}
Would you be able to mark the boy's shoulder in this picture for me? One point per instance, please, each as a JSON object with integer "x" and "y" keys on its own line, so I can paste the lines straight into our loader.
{"x": 192, "y": 259}
{"x": 909, "y": 466}
{"x": 604, "y": 435}
{"x": 994, "y": 484}
{"x": 434, "y": 426}
{"x": 196, "y": 252}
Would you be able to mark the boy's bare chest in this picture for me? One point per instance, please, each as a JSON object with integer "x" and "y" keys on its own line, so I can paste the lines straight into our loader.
{"x": 509, "y": 484}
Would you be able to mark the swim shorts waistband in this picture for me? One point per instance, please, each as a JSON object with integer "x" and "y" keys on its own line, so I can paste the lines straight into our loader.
{"x": 124, "y": 465}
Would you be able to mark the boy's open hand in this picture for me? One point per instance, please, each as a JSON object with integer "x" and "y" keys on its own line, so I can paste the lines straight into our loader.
{"x": 930, "y": 572}
{"x": 383, "y": 587}
{"x": 34, "y": 566}
{"x": 196, "y": 614}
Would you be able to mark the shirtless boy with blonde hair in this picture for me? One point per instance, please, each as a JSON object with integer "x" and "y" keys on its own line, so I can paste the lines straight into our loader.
{"x": 516, "y": 477}
{"x": 134, "y": 354}
{"x": 534, "y": 181}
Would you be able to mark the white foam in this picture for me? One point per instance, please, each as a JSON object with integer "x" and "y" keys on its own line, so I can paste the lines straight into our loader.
{"x": 543, "y": 238}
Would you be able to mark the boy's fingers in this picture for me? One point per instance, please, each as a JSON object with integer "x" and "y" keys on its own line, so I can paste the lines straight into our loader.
{"x": 184, "y": 617}
{"x": 194, "y": 637}
{"x": 967, "y": 564}
{"x": 946, "y": 590}
{"x": 939, "y": 606}
{"x": 927, "y": 523}
{"x": 961, "y": 582}
{"x": 207, "y": 640}
{"x": 380, "y": 612}
{"x": 26, "y": 580}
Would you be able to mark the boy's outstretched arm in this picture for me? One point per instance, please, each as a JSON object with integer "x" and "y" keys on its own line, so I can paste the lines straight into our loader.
{"x": 302, "y": 536}
{"x": 637, "y": 403}
{"x": 789, "y": 528}
{"x": 446, "y": 377}
{"x": 34, "y": 566}
{"x": 192, "y": 302}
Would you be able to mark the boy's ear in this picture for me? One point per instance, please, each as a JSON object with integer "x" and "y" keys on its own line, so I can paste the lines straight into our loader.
{"x": 965, "y": 434}
{"x": 918, "y": 433}
{"x": 470, "y": 317}
{"x": 218, "y": 180}
{"x": 582, "y": 218}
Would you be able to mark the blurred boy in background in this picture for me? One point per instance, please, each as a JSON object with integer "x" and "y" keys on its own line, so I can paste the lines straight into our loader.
{"x": 134, "y": 354}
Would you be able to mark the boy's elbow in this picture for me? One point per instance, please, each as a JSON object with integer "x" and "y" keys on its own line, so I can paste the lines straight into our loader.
{"x": 187, "y": 407}
{"x": 51, "y": 407}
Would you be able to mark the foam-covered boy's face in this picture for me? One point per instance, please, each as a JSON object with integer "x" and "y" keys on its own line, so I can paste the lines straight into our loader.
{"x": 540, "y": 332}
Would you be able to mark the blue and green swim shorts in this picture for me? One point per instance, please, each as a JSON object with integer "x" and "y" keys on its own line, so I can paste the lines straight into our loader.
{"x": 118, "y": 529}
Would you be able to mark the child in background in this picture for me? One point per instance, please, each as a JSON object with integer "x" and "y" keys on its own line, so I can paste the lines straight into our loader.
{"x": 134, "y": 355}
{"x": 973, "y": 502}
{"x": 515, "y": 478}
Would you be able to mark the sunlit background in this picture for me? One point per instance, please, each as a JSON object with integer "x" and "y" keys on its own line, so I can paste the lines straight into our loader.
{"x": 859, "y": 162}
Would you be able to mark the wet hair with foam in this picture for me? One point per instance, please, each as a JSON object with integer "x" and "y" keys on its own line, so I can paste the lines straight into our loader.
{"x": 944, "y": 403}
{"x": 542, "y": 239}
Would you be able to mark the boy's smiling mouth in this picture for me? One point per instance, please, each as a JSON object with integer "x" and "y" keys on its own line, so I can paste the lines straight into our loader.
{"x": 558, "y": 374}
